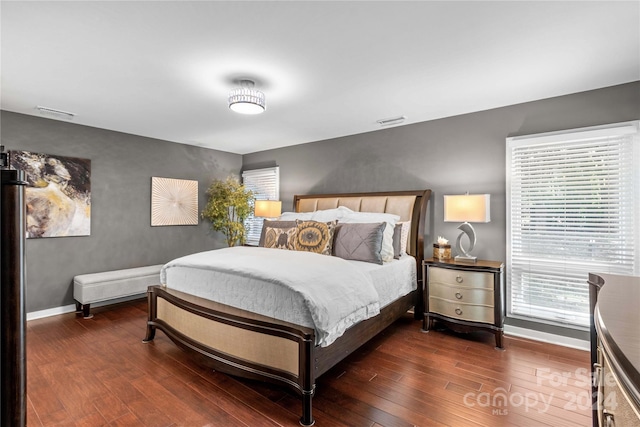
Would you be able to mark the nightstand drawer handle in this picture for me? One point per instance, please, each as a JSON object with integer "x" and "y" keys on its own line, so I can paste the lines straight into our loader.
{"x": 597, "y": 374}
{"x": 459, "y": 279}
{"x": 458, "y": 295}
{"x": 609, "y": 420}
{"x": 458, "y": 311}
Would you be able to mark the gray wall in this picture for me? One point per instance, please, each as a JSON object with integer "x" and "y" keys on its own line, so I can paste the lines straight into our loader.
{"x": 450, "y": 156}
{"x": 121, "y": 235}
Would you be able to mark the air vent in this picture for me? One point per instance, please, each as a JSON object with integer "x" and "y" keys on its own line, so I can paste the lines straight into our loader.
{"x": 391, "y": 121}
{"x": 55, "y": 114}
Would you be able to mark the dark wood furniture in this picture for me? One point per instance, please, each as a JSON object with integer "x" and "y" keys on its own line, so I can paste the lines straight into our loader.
{"x": 13, "y": 366}
{"x": 242, "y": 343}
{"x": 615, "y": 349}
{"x": 465, "y": 296}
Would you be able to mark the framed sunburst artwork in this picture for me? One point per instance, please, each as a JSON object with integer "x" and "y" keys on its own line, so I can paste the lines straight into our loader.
{"x": 174, "y": 202}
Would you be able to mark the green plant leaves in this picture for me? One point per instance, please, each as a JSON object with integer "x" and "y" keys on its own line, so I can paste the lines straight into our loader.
{"x": 229, "y": 203}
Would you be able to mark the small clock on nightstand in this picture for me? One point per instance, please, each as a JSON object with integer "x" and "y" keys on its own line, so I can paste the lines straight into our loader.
{"x": 464, "y": 296}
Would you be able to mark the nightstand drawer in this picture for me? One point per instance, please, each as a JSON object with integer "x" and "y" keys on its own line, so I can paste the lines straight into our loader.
{"x": 459, "y": 294}
{"x": 470, "y": 312}
{"x": 468, "y": 279}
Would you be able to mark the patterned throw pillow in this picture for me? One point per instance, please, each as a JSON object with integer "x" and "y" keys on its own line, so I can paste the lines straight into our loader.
{"x": 274, "y": 224}
{"x": 314, "y": 236}
{"x": 280, "y": 238}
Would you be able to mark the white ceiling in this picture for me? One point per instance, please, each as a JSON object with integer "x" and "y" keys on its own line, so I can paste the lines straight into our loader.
{"x": 328, "y": 69}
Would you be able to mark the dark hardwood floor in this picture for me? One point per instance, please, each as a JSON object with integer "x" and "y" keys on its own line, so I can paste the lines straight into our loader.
{"x": 98, "y": 372}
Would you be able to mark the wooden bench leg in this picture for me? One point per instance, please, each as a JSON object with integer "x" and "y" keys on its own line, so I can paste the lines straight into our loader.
{"x": 86, "y": 311}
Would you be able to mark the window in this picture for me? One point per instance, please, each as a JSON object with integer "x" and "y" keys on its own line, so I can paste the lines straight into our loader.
{"x": 265, "y": 184}
{"x": 571, "y": 198}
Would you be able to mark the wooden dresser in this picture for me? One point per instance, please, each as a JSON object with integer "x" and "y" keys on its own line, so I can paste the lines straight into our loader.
{"x": 465, "y": 296}
{"x": 615, "y": 349}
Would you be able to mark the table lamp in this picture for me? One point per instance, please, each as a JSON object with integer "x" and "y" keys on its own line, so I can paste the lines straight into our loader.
{"x": 466, "y": 208}
{"x": 268, "y": 208}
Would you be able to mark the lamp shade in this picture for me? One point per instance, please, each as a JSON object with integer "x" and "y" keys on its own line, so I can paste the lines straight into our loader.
{"x": 268, "y": 208}
{"x": 467, "y": 208}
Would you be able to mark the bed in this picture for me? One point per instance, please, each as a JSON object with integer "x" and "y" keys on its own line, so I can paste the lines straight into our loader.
{"x": 257, "y": 346}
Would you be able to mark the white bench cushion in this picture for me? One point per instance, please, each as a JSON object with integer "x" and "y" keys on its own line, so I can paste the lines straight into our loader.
{"x": 96, "y": 287}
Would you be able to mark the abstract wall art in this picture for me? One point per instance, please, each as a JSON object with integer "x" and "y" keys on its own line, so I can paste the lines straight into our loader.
{"x": 58, "y": 197}
{"x": 174, "y": 202}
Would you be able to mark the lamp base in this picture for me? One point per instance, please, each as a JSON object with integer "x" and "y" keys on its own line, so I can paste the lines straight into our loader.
{"x": 464, "y": 256}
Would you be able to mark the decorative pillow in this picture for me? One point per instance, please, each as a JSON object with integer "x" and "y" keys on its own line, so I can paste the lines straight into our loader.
{"x": 406, "y": 230}
{"x": 314, "y": 236}
{"x": 359, "y": 242}
{"x": 397, "y": 239}
{"x": 371, "y": 217}
{"x": 400, "y": 238}
{"x": 280, "y": 238}
{"x": 274, "y": 224}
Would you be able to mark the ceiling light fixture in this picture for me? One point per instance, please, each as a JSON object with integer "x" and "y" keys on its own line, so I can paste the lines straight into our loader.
{"x": 391, "y": 121}
{"x": 58, "y": 114}
{"x": 246, "y": 99}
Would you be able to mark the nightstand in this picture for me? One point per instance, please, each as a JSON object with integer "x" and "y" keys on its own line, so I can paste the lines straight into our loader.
{"x": 464, "y": 296}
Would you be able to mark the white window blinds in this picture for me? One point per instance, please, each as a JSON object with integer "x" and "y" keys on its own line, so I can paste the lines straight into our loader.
{"x": 571, "y": 203}
{"x": 265, "y": 184}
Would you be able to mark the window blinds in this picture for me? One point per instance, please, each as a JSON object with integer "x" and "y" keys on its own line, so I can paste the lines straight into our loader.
{"x": 571, "y": 199}
{"x": 265, "y": 184}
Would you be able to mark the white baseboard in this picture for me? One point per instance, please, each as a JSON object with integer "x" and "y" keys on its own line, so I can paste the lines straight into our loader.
{"x": 51, "y": 312}
{"x": 547, "y": 337}
{"x": 72, "y": 308}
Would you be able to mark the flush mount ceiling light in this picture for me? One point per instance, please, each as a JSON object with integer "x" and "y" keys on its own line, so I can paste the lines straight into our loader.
{"x": 246, "y": 99}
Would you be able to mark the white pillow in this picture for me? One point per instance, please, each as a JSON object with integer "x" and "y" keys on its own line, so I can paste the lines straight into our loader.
{"x": 330, "y": 214}
{"x": 387, "y": 235}
{"x": 325, "y": 215}
{"x": 292, "y": 216}
{"x": 404, "y": 236}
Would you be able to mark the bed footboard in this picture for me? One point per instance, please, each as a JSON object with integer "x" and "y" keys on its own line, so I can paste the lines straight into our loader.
{"x": 237, "y": 342}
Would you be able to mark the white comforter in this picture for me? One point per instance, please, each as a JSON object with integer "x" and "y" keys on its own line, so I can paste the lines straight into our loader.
{"x": 323, "y": 292}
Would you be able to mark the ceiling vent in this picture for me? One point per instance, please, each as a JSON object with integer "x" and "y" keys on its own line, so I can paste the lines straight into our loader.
{"x": 391, "y": 121}
{"x": 55, "y": 114}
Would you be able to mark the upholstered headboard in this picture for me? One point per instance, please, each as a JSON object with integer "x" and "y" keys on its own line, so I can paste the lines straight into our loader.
{"x": 409, "y": 205}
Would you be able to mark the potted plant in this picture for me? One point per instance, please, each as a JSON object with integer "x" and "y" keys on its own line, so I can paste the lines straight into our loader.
{"x": 229, "y": 203}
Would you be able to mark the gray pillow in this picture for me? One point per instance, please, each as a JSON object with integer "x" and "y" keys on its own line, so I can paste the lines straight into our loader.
{"x": 274, "y": 224}
{"x": 397, "y": 241}
{"x": 359, "y": 241}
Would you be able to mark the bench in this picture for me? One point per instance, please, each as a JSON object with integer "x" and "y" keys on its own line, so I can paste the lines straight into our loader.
{"x": 109, "y": 285}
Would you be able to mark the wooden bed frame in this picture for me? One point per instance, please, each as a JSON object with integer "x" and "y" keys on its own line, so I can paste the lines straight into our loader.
{"x": 249, "y": 345}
